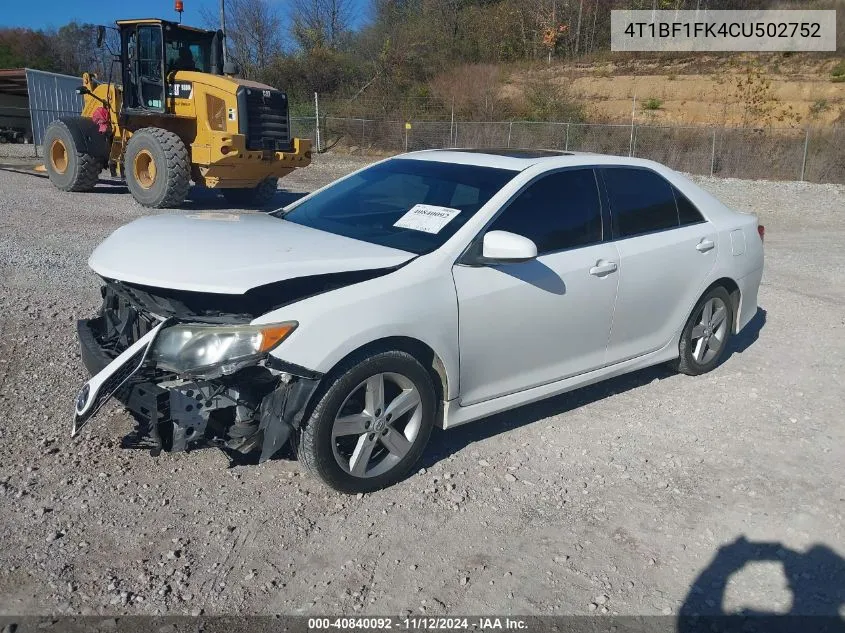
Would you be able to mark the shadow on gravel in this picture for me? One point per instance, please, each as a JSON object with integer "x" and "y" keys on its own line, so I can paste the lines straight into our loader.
{"x": 445, "y": 443}
{"x": 111, "y": 186}
{"x": 26, "y": 170}
{"x": 748, "y": 335}
{"x": 815, "y": 578}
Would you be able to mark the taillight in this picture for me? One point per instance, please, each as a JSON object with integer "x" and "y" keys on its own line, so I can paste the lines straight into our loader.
{"x": 761, "y": 231}
{"x": 225, "y": 150}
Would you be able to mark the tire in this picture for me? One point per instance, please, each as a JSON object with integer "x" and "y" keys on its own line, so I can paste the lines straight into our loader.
{"x": 258, "y": 196}
{"x": 328, "y": 451}
{"x": 157, "y": 168}
{"x": 69, "y": 166}
{"x": 697, "y": 353}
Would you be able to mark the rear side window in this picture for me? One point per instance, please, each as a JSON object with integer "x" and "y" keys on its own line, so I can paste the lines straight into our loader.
{"x": 558, "y": 211}
{"x": 687, "y": 211}
{"x": 641, "y": 201}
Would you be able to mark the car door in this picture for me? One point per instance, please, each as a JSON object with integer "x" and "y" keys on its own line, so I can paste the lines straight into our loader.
{"x": 666, "y": 250}
{"x": 526, "y": 324}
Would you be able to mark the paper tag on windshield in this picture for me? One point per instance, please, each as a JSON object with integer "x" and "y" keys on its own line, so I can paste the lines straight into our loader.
{"x": 427, "y": 218}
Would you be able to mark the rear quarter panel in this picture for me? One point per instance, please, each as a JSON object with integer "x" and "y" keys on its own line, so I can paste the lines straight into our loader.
{"x": 739, "y": 260}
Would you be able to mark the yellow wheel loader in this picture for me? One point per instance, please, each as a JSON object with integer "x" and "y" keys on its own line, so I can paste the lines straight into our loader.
{"x": 178, "y": 115}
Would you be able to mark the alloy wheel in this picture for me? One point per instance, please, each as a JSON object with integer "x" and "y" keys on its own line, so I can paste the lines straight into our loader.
{"x": 710, "y": 333}
{"x": 376, "y": 425}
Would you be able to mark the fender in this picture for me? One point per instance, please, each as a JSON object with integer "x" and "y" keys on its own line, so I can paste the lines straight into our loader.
{"x": 87, "y": 137}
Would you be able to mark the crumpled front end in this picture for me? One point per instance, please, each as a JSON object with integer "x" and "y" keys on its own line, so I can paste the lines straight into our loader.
{"x": 248, "y": 408}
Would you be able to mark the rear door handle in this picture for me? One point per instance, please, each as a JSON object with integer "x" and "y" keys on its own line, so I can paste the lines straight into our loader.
{"x": 603, "y": 268}
{"x": 705, "y": 245}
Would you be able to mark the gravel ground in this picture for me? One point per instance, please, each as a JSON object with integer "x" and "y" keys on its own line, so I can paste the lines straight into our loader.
{"x": 628, "y": 497}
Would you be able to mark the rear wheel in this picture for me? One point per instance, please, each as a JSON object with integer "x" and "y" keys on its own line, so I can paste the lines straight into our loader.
{"x": 260, "y": 195}
{"x": 706, "y": 334}
{"x": 69, "y": 166}
{"x": 371, "y": 424}
{"x": 157, "y": 168}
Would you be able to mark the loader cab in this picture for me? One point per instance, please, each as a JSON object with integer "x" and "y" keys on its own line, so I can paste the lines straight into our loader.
{"x": 152, "y": 51}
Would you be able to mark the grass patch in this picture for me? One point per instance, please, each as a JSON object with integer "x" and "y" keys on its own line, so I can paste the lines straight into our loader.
{"x": 652, "y": 104}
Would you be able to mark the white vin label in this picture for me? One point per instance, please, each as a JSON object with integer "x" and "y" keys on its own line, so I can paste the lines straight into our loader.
{"x": 427, "y": 218}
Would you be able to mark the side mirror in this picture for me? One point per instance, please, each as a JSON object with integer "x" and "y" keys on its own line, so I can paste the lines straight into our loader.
{"x": 101, "y": 35}
{"x": 507, "y": 247}
{"x": 231, "y": 68}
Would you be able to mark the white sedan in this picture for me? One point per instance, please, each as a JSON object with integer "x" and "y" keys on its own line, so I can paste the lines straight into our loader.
{"x": 430, "y": 289}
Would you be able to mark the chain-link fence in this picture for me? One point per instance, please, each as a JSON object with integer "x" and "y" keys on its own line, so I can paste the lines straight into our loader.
{"x": 812, "y": 154}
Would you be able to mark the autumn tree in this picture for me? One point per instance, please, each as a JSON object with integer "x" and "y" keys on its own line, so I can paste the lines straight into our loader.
{"x": 253, "y": 34}
{"x": 320, "y": 23}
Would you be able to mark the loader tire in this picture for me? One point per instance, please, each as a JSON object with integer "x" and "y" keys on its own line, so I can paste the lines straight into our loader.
{"x": 259, "y": 196}
{"x": 157, "y": 168}
{"x": 69, "y": 166}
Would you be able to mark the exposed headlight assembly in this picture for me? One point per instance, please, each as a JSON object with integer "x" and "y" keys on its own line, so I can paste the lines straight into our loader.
{"x": 200, "y": 349}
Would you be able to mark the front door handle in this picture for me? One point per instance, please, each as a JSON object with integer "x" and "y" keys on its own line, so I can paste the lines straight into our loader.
{"x": 603, "y": 268}
{"x": 705, "y": 245}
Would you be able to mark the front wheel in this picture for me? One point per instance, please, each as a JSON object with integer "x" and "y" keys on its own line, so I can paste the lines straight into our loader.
{"x": 706, "y": 334}
{"x": 158, "y": 168}
{"x": 371, "y": 424}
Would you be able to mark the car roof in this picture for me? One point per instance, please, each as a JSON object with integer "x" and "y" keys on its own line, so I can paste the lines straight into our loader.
{"x": 516, "y": 159}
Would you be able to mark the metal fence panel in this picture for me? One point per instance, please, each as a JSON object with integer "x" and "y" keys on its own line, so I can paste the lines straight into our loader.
{"x": 303, "y": 127}
{"x": 825, "y": 155}
{"x": 686, "y": 149}
{"x": 759, "y": 153}
{"x": 51, "y": 96}
{"x": 481, "y": 134}
{"x": 600, "y": 139}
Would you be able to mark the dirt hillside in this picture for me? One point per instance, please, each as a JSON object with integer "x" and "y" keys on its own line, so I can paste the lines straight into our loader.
{"x": 742, "y": 90}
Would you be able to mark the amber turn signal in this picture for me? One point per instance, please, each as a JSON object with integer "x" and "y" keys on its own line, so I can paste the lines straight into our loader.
{"x": 272, "y": 335}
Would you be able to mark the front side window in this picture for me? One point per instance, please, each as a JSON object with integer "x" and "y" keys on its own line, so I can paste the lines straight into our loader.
{"x": 641, "y": 201}
{"x": 557, "y": 212}
{"x": 368, "y": 205}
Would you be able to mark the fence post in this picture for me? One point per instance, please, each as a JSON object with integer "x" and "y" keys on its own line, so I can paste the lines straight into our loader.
{"x": 634, "y": 141}
{"x": 363, "y": 132}
{"x": 510, "y": 130}
{"x": 317, "y": 116}
{"x": 713, "y": 154}
{"x": 566, "y": 144}
{"x": 804, "y": 160}
{"x": 452, "y": 125}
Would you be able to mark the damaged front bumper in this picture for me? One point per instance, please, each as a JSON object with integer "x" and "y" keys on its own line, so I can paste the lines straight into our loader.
{"x": 255, "y": 408}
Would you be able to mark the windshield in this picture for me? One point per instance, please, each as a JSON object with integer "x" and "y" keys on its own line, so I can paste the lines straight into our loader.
{"x": 411, "y": 205}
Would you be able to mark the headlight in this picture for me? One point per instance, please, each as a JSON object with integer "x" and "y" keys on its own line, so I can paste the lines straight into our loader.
{"x": 197, "y": 348}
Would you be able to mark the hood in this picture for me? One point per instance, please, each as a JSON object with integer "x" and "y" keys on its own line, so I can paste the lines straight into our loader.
{"x": 230, "y": 252}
